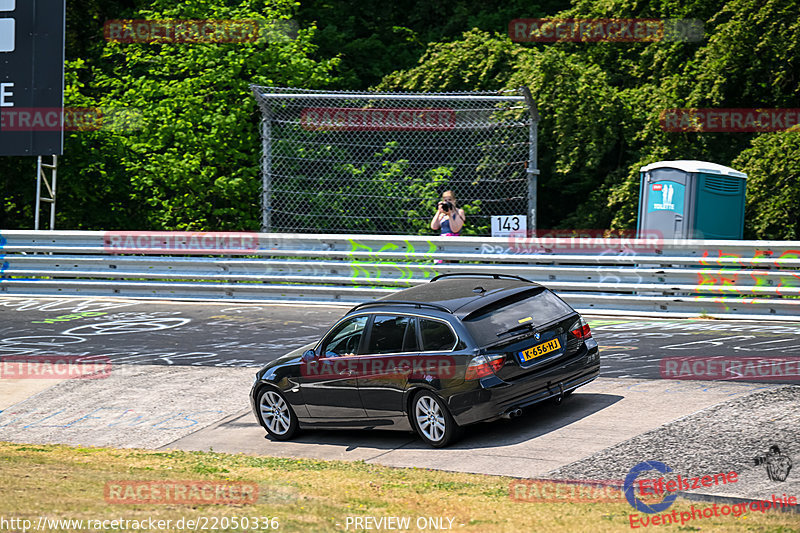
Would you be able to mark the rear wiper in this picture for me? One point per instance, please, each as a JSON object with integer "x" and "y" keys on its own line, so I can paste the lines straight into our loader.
{"x": 517, "y": 329}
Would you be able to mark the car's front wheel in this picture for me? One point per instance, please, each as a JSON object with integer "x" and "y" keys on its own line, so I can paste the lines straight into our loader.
{"x": 276, "y": 414}
{"x": 432, "y": 421}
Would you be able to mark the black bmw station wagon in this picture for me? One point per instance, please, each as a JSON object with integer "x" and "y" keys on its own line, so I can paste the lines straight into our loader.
{"x": 434, "y": 358}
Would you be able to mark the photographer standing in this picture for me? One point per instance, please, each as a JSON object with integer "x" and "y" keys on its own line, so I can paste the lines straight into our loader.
{"x": 448, "y": 217}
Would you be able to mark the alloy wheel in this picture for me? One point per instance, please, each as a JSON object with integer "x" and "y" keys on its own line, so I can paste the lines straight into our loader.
{"x": 275, "y": 413}
{"x": 430, "y": 418}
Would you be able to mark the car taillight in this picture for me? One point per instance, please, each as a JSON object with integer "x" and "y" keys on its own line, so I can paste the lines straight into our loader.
{"x": 581, "y": 330}
{"x": 484, "y": 365}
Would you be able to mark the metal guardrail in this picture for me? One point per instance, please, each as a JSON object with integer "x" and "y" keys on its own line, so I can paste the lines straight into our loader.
{"x": 609, "y": 276}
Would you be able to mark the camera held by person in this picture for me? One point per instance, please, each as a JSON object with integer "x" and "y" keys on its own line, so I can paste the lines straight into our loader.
{"x": 449, "y": 218}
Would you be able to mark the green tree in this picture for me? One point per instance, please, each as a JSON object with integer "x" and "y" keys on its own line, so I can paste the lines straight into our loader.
{"x": 479, "y": 61}
{"x": 772, "y": 165}
{"x": 751, "y": 58}
{"x": 374, "y": 38}
{"x": 601, "y": 103}
{"x": 194, "y": 163}
{"x": 190, "y": 159}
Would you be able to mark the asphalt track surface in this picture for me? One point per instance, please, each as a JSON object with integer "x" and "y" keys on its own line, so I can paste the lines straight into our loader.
{"x": 250, "y": 335}
{"x": 182, "y": 371}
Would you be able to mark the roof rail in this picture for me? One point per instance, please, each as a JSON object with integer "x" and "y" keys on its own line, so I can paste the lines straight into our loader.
{"x": 480, "y": 275}
{"x": 402, "y": 302}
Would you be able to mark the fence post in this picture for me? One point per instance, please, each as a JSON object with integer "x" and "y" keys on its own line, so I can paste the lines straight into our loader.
{"x": 266, "y": 173}
{"x": 533, "y": 170}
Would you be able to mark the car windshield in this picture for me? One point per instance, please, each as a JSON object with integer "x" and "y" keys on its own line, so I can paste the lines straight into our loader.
{"x": 509, "y": 317}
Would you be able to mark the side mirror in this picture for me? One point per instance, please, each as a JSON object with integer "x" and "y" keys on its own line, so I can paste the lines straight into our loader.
{"x": 309, "y": 356}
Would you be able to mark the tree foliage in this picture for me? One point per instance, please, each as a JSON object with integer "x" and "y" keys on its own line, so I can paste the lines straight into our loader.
{"x": 191, "y": 161}
{"x": 772, "y": 165}
{"x": 190, "y": 158}
{"x": 373, "y": 37}
{"x": 601, "y": 102}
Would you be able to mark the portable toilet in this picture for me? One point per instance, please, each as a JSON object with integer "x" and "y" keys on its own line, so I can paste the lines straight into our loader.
{"x": 691, "y": 200}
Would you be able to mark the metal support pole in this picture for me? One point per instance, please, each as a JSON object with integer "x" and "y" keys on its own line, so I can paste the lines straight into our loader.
{"x": 266, "y": 174}
{"x": 51, "y": 189}
{"x": 53, "y": 203}
{"x": 38, "y": 202}
{"x": 533, "y": 170}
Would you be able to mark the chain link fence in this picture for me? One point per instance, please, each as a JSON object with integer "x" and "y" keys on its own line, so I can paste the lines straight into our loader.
{"x": 348, "y": 162}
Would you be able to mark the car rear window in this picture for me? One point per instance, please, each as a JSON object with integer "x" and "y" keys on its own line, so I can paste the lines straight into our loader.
{"x": 436, "y": 336}
{"x": 540, "y": 304}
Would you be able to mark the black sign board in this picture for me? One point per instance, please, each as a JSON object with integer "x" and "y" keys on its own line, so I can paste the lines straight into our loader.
{"x": 31, "y": 77}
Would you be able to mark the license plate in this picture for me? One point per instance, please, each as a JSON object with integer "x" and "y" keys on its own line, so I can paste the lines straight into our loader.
{"x": 540, "y": 349}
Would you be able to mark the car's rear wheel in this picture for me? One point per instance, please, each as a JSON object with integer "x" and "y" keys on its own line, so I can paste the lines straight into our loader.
{"x": 432, "y": 421}
{"x": 276, "y": 414}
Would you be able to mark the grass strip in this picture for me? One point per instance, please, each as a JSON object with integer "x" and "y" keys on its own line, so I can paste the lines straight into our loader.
{"x": 62, "y": 482}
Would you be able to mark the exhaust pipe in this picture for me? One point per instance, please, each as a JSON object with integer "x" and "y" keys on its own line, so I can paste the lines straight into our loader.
{"x": 514, "y": 413}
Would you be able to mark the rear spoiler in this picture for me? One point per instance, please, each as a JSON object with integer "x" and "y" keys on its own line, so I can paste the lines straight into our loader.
{"x": 480, "y": 275}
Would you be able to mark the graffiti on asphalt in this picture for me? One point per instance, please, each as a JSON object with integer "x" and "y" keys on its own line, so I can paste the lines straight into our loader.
{"x": 69, "y": 318}
{"x": 131, "y": 325}
{"x": 69, "y": 305}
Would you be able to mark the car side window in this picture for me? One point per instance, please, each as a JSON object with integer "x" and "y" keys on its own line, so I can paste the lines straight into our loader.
{"x": 345, "y": 339}
{"x": 436, "y": 336}
{"x": 392, "y": 334}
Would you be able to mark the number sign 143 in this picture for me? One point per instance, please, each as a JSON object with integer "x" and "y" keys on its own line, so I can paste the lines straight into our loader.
{"x": 505, "y": 225}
